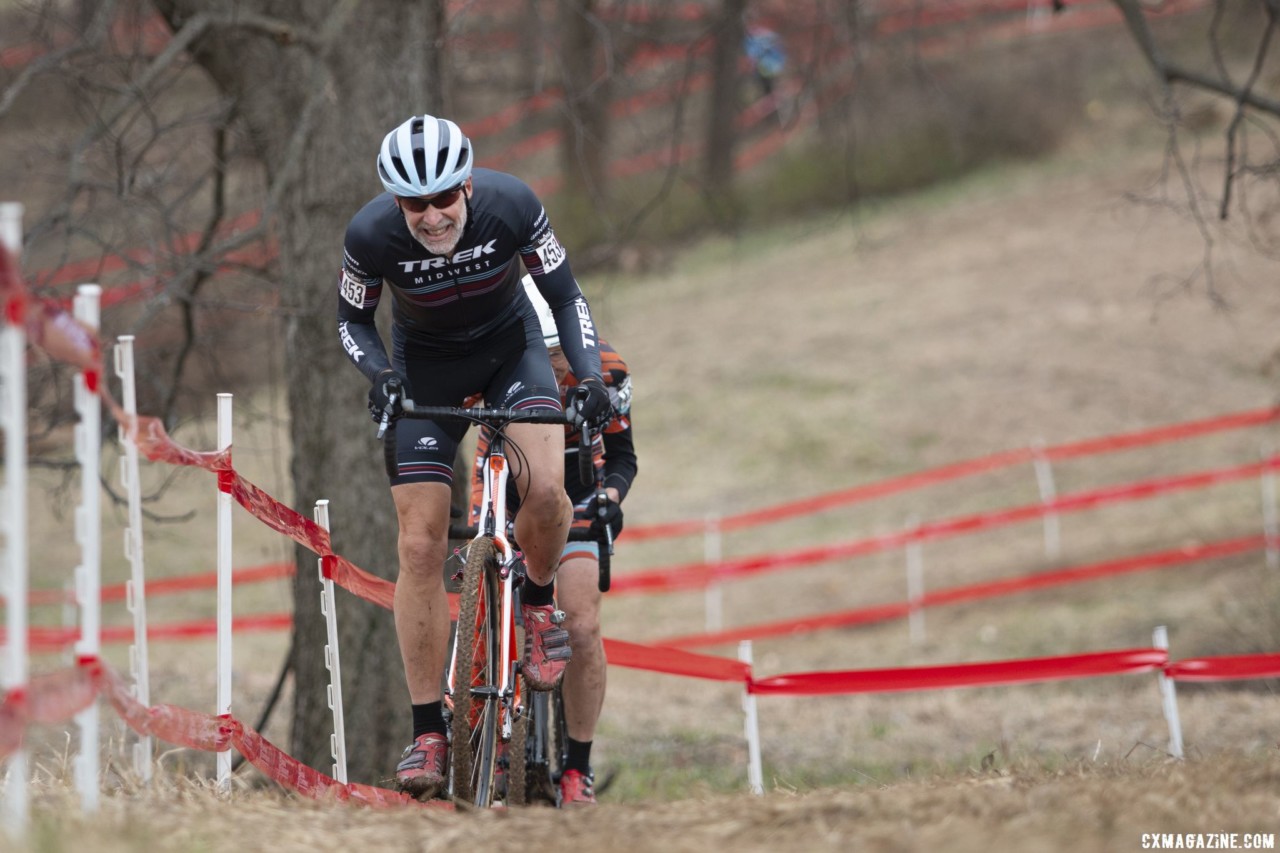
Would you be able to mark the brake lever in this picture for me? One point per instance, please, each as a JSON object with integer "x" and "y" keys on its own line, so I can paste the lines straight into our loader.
{"x": 386, "y": 414}
{"x": 602, "y": 509}
{"x": 605, "y": 560}
{"x": 586, "y": 459}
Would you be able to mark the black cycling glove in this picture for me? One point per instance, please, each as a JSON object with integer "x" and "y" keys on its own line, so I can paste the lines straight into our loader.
{"x": 609, "y": 513}
{"x": 593, "y": 403}
{"x": 388, "y": 384}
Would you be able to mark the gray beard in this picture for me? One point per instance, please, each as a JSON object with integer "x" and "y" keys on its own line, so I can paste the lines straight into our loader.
{"x": 448, "y": 247}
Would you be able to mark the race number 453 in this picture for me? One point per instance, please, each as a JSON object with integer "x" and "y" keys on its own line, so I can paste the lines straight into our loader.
{"x": 551, "y": 253}
{"x": 352, "y": 291}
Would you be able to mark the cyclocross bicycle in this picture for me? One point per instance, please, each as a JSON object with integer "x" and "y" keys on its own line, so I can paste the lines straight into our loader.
{"x": 483, "y": 693}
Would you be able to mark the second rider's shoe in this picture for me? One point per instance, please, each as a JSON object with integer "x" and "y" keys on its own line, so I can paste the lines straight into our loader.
{"x": 546, "y": 646}
{"x": 577, "y": 789}
{"x": 421, "y": 772}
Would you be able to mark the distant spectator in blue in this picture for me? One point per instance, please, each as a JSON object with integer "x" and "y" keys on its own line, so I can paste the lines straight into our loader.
{"x": 768, "y": 57}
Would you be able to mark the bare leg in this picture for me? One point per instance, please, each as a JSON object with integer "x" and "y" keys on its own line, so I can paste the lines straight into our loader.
{"x": 584, "y": 680}
{"x": 421, "y": 606}
{"x": 542, "y": 524}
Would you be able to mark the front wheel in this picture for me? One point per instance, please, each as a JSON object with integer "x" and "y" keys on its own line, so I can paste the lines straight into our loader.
{"x": 473, "y": 736}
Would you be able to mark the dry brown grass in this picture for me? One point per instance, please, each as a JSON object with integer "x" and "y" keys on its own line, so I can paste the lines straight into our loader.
{"x": 1026, "y": 303}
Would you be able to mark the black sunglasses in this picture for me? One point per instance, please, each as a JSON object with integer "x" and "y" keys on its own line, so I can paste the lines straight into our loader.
{"x": 417, "y": 204}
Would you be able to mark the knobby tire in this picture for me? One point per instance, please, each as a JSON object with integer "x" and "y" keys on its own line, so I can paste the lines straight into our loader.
{"x": 545, "y": 746}
{"x": 517, "y": 790}
{"x": 473, "y": 732}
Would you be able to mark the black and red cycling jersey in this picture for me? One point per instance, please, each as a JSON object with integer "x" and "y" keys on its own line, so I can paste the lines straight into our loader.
{"x": 614, "y": 449}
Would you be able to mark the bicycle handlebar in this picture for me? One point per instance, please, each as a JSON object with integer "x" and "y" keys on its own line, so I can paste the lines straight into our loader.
{"x": 493, "y": 417}
{"x": 499, "y": 417}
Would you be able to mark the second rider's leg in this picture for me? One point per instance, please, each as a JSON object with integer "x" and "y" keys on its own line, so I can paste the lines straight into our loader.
{"x": 577, "y": 587}
{"x": 584, "y": 680}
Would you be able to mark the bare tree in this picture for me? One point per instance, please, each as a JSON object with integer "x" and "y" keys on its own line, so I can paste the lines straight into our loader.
{"x": 1250, "y": 181}
{"x": 587, "y": 59}
{"x": 281, "y": 103}
{"x": 722, "y": 111}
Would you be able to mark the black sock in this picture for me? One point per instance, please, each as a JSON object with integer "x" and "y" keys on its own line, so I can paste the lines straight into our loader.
{"x": 535, "y": 595}
{"x": 428, "y": 718}
{"x": 579, "y": 756}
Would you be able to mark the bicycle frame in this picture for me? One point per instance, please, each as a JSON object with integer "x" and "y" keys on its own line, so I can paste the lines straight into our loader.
{"x": 481, "y": 684}
{"x": 493, "y": 506}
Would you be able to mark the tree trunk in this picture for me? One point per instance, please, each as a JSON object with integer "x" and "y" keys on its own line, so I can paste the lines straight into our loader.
{"x": 279, "y": 84}
{"x": 587, "y": 95}
{"x": 722, "y": 112}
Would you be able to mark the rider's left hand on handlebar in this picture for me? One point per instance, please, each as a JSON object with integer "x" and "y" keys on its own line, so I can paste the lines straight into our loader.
{"x": 389, "y": 395}
{"x": 593, "y": 403}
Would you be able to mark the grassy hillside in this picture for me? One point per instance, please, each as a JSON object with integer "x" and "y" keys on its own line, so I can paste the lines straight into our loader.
{"x": 1027, "y": 303}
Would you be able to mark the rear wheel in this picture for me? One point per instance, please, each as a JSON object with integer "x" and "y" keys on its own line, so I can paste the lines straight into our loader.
{"x": 517, "y": 778}
{"x": 473, "y": 732}
{"x": 545, "y": 746}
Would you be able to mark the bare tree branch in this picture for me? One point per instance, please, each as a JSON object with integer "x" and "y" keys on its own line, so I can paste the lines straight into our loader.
{"x": 93, "y": 38}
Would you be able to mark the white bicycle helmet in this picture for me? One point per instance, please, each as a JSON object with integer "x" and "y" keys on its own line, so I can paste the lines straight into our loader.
{"x": 550, "y": 334}
{"x": 424, "y": 156}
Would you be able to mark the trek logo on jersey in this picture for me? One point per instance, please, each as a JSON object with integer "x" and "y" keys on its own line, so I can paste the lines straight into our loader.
{"x": 584, "y": 321}
{"x": 550, "y": 252}
{"x": 465, "y": 255}
{"x": 352, "y": 290}
{"x": 349, "y": 343}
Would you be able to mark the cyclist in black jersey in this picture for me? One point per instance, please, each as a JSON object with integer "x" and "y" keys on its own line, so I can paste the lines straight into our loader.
{"x": 448, "y": 242}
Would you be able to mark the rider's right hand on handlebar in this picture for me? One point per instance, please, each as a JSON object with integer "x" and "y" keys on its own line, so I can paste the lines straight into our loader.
{"x": 390, "y": 396}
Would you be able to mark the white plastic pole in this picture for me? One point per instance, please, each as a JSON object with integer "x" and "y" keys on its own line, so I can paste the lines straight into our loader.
{"x": 755, "y": 771}
{"x": 13, "y": 584}
{"x": 1270, "y": 527}
{"x": 332, "y": 661}
{"x": 915, "y": 586}
{"x": 89, "y": 535}
{"x": 1048, "y": 492}
{"x": 1168, "y": 696}
{"x": 136, "y": 586}
{"x": 712, "y": 543}
{"x": 224, "y": 594}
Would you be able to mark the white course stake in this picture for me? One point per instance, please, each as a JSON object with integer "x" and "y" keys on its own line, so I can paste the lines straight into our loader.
{"x": 136, "y": 587}
{"x": 1048, "y": 493}
{"x": 332, "y": 661}
{"x": 1168, "y": 695}
{"x": 755, "y": 772}
{"x": 89, "y": 534}
{"x": 13, "y": 521}
{"x": 224, "y": 593}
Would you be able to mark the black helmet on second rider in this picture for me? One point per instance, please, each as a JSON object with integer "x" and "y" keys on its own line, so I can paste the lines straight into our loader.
{"x": 424, "y": 156}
